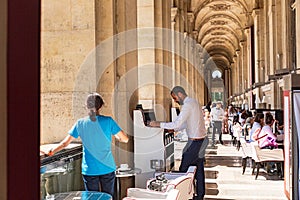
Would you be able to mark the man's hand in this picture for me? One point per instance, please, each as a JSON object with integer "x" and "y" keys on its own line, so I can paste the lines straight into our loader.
{"x": 154, "y": 124}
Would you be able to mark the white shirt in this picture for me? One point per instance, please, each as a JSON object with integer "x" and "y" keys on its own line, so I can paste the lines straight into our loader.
{"x": 217, "y": 114}
{"x": 255, "y": 126}
{"x": 190, "y": 118}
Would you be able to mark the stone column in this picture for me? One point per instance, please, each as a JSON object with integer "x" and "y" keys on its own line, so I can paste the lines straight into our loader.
{"x": 279, "y": 40}
{"x": 271, "y": 44}
{"x": 174, "y": 44}
{"x": 131, "y": 56}
{"x": 202, "y": 88}
{"x": 230, "y": 80}
{"x": 173, "y": 53}
{"x": 177, "y": 45}
{"x": 259, "y": 41}
{"x": 183, "y": 64}
{"x": 124, "y": 96}
{"x": 244, "y": 65}
{"x": 249, "y": 56}
{"x": 200, "y": 83}
{"x": 208, "y": 78}
{"x": 234, "y": 73}
{"x": 167, "y": 56}
{"x": 227, "y": 80}
{"x": 286, "y": 36}
{"x": 161, "y": 109}
{"x": 194, "y": 63}
{"x": 238, "y": 71}
{"x": 105, "y": 63}
{"x": 188, "y": 59}
{"x": 146, "y": 51}
{"x": 182, "y": 47}
{"x": 190, "y": 52}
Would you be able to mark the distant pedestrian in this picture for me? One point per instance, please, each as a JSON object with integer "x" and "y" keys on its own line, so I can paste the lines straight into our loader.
{"x": 216, "y": 115}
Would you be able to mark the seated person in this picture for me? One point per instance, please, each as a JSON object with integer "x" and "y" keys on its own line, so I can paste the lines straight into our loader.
{"x": 237, "y": 127}
{"x": 280, "y": 132}
{"x": 256, "y": 126}
{"x": 247, "y": 126}
{"x": 266, "y": 137}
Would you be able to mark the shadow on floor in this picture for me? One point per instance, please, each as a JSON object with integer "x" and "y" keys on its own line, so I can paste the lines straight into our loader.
{"x": 269, "y": 176}
{"x": 229, "y": 161}
{"x": 274, "y": 176}
{"x": 211, "y": 189}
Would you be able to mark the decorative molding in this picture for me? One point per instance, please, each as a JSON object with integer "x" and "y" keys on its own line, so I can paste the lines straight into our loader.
{"x": 218, "y": 22}
{"x": 217, "y": 41}
{"x": 218, "y": 33}
{"x": 220, "y": 7}
{"x": 293, "y": 6}
{"x": 191, "y": 16}
{"x": 266, "y": 88}
{"x": 280, "y": 83}
{"x": 256, "y": 12}
{"x": 174, "y": 12}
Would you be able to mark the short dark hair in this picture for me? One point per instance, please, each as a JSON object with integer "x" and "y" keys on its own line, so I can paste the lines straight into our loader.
{"x": 258, "y": 117}
{"x": 269, "y": 118}
{"x": 178, "y": 89}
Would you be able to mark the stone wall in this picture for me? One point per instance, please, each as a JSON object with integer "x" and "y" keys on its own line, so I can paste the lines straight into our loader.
{"x": 67, "y": 38}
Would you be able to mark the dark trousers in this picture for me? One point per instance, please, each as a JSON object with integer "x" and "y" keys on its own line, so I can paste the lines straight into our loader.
{"x": 217, "y": 128}
{"x": 190, "y": 157}
{"x": 106, "y": 181}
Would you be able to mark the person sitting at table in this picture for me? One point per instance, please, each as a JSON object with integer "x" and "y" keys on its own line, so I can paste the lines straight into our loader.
{"x": 247, "y": 127}
{"x": 256, "y": 126}
{"x": 95, "y": 131}
{"x": 280, "y": 132}
{"x": 237, "y": 132}
{"x": 266, "y": 138}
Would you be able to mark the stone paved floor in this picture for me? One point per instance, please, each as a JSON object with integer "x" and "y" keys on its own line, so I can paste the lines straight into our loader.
{"x": 224, "y": 179}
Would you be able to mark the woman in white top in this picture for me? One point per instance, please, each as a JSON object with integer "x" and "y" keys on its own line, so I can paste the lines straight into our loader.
{"x": 266, "y": 137}
{"x": 256, "y": 126}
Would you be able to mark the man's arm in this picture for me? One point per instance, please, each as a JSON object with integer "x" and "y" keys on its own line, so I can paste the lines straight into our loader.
{"x": 63, "y": 144}
{"x": 178, "y": 124}
{"x": 154, "y": 124}
{"x": 122, "y": 137}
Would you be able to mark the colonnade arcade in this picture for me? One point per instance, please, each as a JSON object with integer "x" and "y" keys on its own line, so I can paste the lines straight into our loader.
{"x": 136, "y": 50}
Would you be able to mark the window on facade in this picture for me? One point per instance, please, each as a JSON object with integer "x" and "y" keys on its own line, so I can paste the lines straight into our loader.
{"x": 216, "y": 74}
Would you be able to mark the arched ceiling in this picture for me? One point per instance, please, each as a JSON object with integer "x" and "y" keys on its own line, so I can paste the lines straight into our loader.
{"x": 220, "y": 25}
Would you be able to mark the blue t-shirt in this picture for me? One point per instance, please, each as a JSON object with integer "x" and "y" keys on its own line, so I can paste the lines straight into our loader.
{"x": 96, "y": 137}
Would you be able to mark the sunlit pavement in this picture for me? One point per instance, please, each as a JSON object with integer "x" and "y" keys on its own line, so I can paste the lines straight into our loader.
{"x": 224, "y": 178}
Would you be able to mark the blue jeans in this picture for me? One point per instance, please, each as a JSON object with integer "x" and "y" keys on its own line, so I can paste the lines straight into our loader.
{"x": 190, "y": 157}
{"x": 106, "y": 181}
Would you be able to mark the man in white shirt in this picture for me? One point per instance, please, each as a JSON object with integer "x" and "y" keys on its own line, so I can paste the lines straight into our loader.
{"x": 190, "y": 118}
{"x": 216, "y": 116}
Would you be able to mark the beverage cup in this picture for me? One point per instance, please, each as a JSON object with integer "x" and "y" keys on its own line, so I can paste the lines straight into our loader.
{"x": 124, "y": 166}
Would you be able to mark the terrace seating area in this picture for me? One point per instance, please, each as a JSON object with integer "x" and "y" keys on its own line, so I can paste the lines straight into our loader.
{"x": 229, "y": 173}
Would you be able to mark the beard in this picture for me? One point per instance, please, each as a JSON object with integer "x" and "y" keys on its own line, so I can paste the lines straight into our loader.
{"x": 180, "y": 101}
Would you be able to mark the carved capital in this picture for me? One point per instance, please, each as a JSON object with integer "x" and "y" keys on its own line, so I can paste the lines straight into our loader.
{"x": 174, "y": 13}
